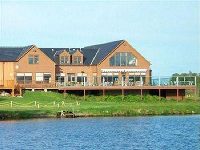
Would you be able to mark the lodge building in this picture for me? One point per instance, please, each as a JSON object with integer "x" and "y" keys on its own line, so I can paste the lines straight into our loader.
{"x": 113, "y": 64}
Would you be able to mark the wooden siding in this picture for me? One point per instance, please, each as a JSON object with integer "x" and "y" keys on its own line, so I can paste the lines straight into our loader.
{"x": 45, "y": 65}
{"x": 7, "y": 74}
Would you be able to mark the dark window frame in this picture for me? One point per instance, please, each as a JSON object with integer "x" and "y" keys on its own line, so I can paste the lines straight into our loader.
{"x": 77, "y": 60}
{"x": 64, "y": 60}
{"x": 33, "y": 59}
{"x": 123, "y": 59}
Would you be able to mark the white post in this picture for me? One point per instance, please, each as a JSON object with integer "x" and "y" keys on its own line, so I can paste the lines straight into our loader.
{"x": 122, "y": 81}
{"x": 65, "y": 80}
{"x": 11, "y": 104}
{"x": 35, "y": 103}
{"x": 184, "y": 80}
{"x": 195, "y": 80}
{"x": 159, "y": 80}
{"x": 58, "y": 105}
{"x": 176, "y": 81}
{"x": 84, "y": 81}
{"x": 141, "y": 80}
{"x": 38, "y": 106}
{"x": 103, "y": 81}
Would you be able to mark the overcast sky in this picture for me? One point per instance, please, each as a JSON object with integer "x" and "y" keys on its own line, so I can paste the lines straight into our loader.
{"x": 165, "y": 33}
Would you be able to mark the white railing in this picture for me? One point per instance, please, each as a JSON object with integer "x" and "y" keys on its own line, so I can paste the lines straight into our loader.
{"x": 112, "y": 81}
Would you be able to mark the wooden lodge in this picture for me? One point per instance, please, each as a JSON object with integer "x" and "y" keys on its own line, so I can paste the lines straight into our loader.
{"x": 114, "y": 67}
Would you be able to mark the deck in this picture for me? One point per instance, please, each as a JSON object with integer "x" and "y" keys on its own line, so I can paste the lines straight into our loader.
{"x": 174, "y": 90}
{"x": 125, "y": 87}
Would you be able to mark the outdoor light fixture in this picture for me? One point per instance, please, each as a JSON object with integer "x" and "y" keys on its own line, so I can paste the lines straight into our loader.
{"x": 17, "y": 67}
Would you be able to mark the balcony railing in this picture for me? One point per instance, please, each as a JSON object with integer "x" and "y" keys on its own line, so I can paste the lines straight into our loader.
{"x": 108, "y": 81}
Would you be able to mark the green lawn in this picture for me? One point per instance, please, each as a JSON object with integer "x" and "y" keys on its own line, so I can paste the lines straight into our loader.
{"x": 39, "y": 104}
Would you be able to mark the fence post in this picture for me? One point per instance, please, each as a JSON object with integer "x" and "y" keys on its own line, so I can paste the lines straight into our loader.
{"x": 38, "y": 106}
{"x": 35, "y": 103}
{"x": 195, "y": 80}
{"x": 11, "y": 104}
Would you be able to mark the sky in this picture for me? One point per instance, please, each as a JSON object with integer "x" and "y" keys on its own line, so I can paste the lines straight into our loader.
{"x": 167, "y": 33}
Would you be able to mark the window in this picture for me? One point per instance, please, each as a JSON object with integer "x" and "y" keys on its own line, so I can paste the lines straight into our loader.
{"x": 71, "y": 77}
{"x": 33, "y": 59}
{"x": 39, "y": 77}
{"x": 81, "y": 77}
{"x": 77, "y": 60}
{"x": 23, "y": 78}
{"x": 47, "y": 77}
{"x": 43, "y": 77}
{"x": 112, "y": 61}
{"x": 60, "y": 77}
{"x": 64, "y": 60}
{"x": 123, "y": 59}
{"x": 117, "y": 60}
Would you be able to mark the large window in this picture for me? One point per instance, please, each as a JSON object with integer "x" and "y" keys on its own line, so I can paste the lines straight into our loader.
{"x": 24, "y": 78}
{"x": 123, "y": 59}
{"x": 33, "y": 59}
{"x": 77, "y": 60}
{"x": 64, "y": 60}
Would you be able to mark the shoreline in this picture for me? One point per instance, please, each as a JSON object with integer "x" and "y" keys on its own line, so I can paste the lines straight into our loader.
{"x": 7, "y": 117}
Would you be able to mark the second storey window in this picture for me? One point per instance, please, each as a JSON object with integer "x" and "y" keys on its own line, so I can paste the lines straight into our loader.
{"x": 123, "y": 59}
{"x": 77, "y": 60}
{"x": 33, "y": 59}
{"x": 64, "y": 60}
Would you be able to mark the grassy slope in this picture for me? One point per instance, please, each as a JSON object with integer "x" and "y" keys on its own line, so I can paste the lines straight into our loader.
{"x": 93, "y": 105}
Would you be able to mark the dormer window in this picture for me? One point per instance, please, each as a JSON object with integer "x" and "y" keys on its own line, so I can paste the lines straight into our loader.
{"x": 33, "y": 59}
{"x": 77, "y": 60}
{"x": 64, "y": 60}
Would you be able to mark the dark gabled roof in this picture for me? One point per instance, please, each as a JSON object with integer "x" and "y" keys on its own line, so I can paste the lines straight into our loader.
{"x": 12, "y": 53}
{"x": 92, "y": 54}
{"x": 102, "y": 50}
{"x": 88, "y": 54}
{"x": 52, "y": 52}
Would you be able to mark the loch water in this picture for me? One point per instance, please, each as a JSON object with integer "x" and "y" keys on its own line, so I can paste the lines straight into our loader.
{"x": 115, "y": 133}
